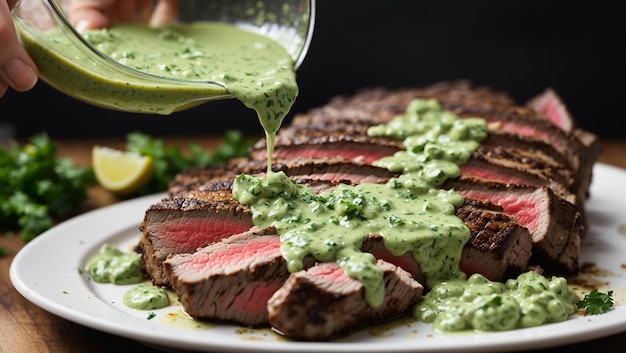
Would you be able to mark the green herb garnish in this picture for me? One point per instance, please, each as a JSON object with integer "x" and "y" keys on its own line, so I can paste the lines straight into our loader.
{"x": 170, "y": 160}
{"x": 596, "y": 303}
{"x": 37, "y": 187}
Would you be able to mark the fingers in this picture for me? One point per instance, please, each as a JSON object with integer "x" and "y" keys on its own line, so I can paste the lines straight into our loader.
{"x": 165, "y": 12}
{"x": 91, "y": 14}
{"x": 17, "y": 69}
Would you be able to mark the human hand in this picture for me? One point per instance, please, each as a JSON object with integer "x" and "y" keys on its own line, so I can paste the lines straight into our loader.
{"x": 90, "y": 14}
{"x": 17, "y": 69}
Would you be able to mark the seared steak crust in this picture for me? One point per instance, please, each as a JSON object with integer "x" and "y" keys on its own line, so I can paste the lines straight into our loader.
{"x": 323, "y": 302}
{"x": 554, "y": 223}
{"x": 499, "y": 248}
{"x": 184, "y": 223}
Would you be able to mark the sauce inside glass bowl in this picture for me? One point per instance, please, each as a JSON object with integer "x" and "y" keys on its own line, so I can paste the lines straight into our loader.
{"x": 186, "y": 64}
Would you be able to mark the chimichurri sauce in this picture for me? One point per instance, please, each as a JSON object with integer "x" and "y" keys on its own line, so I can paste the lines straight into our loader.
{"x": 410, "y": 212}
{"x": 482, "y": 305}
{"x": 111, "y": 265}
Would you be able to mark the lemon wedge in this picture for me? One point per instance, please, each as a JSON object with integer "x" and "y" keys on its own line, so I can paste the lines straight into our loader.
{"x": 121, "y": 172}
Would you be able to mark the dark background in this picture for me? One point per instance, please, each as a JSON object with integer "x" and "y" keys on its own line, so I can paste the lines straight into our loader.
{"x": 522, "y": 47}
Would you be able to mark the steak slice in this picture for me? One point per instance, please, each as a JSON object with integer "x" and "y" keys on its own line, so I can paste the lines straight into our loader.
{"x": 323, "y": 302}
{"x": 498, "y": 248}
{"x": 329, "y": 144}
{"x": 537, "y": 149}
{"x": 230, "y": 280}
{"x": 550, "y": 219}
{"x": 185, "y": 223}
{"x": 550, "y": 105}
{"x": 303, "y": 170}
{"x": 378, "y": 105}
{"x": 491, "y": 167}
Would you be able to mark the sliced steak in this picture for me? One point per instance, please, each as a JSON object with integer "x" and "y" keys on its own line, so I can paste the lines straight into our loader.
{"x": 378, "y": 105}
{"x": 499, "y": 248}
{"x": 538, "y": 150}
{"x": 323, "y": 302}
{"x": 527, "y": 122}
{"x": 494, "y": 167}
{"x": 330, "y": 145}
{"x": 230, "y": 280}
{"x": 550, "y": 105}
{"x": 182, "y": 224}
{"x": 550, "y": 219}
{"x": 306, "y": 171}
{"x": 375, "y": 244}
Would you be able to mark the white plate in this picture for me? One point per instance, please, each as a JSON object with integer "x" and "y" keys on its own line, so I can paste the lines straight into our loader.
{"x": 47, "y": 272}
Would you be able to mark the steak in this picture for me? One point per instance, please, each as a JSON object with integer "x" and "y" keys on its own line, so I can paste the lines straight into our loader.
{"x": 184, "y": 223}
{"x": 503, "y": 231}
{"x": 498, "y": 248}
{"x": 329, "y": 144}
{"x": 551, "y": 220}
{"x": 323, "y": 301}
{"x": 302, "y": 170}
{"x": 527, "y": 122}
{"x": 230, "y": 280}
{"x": 494, "y": 168}
{"x": 550, "y": 105}
{"x": 524, "y": 191}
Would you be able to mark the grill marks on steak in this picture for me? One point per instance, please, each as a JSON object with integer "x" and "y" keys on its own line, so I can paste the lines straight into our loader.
{"x": 554, "y": 223}
{"x": 499, "y": 248}
{"x": 323, "y": 301}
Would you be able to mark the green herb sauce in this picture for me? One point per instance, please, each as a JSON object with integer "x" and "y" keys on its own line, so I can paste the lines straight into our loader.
{"x": 146, "y": 297}
{"x": 112, "y": 265}
{"x": 482, "y": 305}
{"x": 410, "y": 212}
{"x": 207, "y": 60}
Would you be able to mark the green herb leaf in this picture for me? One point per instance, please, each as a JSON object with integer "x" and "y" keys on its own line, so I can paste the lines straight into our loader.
{"x": 596, "y": 303}
{"x": 37, "y": 187}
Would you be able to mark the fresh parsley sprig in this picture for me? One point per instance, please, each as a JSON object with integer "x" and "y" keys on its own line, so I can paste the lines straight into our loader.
{"x": 37, "y": 187}
{"x": 596, "y": 302}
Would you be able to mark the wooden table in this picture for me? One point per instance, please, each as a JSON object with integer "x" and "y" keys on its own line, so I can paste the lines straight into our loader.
{"x": 24, "y": 327}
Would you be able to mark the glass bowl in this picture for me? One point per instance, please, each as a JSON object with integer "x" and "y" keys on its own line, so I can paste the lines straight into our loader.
{"x": 288, "y": 22}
